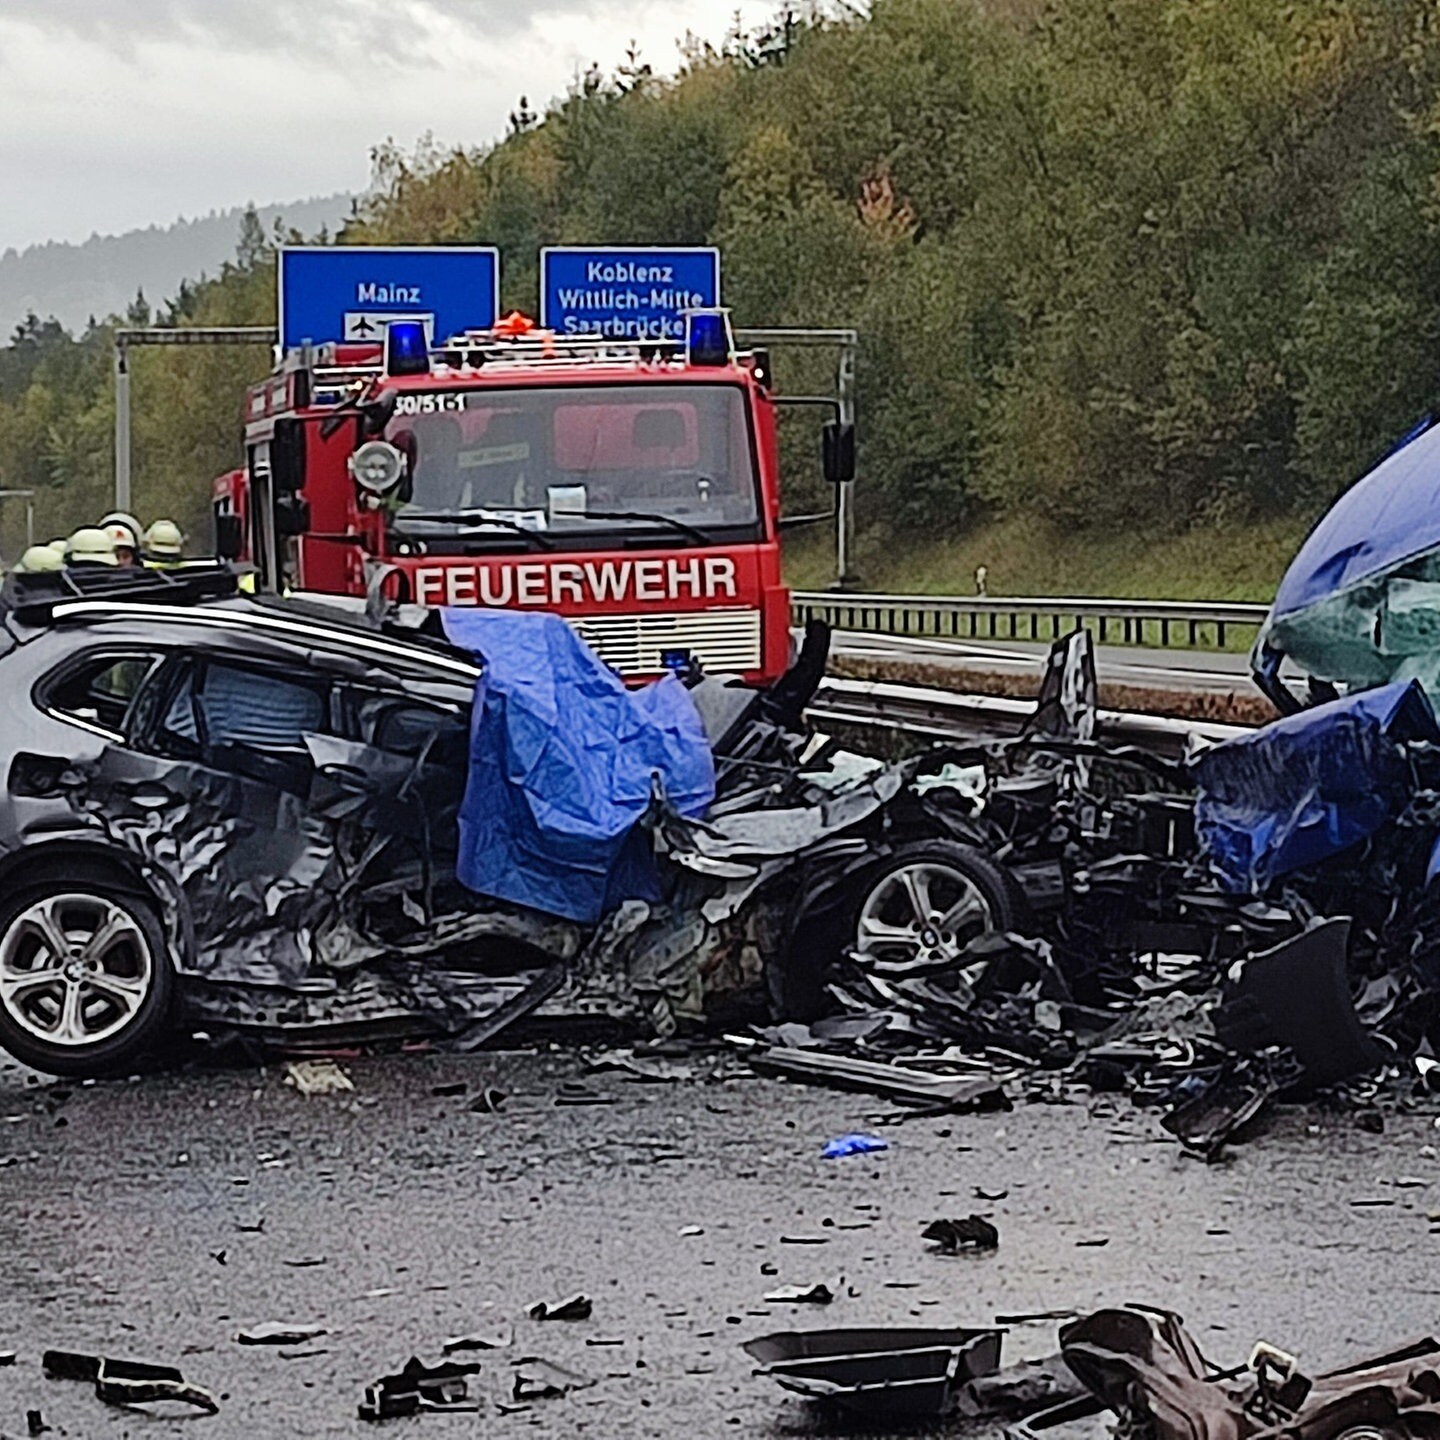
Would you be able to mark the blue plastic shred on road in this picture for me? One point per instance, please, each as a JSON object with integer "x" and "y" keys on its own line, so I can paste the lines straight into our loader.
{"x": 1389, "y": 516}
{"x": 1309, "y": 786}
{"x": 844, "y": 1145}
{"x": 563, "y": 760}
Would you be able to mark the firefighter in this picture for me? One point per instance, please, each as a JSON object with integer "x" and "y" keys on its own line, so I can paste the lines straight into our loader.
{"x": 39, "y": 560}
{"x": 164, "y": 546}
{"x": 124, "y": 530}
{"x": 90, "y": 547}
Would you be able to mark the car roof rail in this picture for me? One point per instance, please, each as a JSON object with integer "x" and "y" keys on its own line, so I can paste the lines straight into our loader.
{"x": 33, "y": 598}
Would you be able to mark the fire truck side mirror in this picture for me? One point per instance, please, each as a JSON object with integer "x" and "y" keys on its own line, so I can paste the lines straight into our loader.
{"x": 838, "y": 452}
{"x": 292, "y": 515}
{"x": 377, "y": 414}
{"x": 229, "y": 541}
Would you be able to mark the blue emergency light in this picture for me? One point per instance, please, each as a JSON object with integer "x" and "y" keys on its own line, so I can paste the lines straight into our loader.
{"x": 407, "y": 350}
{"x": 707, "y": 337}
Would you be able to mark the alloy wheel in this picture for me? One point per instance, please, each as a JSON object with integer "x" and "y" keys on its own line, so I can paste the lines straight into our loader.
{"x": 74, "y": 969}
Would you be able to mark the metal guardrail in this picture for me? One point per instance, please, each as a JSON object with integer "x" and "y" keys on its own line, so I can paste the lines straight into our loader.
{"x": 1132, "y": 622}
{"x": 947, "y": 715}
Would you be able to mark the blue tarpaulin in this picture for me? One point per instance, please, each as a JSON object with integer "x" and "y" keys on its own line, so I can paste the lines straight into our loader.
{"x": 1309, "y": 786}
{"x": 1388, "y": 517}
{"x": 562, "y": 763}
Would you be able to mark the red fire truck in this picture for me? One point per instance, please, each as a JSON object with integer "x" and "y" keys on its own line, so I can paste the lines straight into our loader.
{"x": 632, "y": 487}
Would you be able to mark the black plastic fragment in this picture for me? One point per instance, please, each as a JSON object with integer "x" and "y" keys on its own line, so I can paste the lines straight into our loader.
{"x": 951, "y": 1237}
{"x": 419, "y": 1387}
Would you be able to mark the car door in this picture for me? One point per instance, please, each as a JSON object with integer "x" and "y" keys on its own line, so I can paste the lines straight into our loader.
{"x": 396, "y": 778}
{"x": 226, "y": 791}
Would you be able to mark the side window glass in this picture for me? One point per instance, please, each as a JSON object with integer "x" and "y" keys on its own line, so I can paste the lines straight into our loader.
{"x": 256, "y": 710}
{"x": 252, "y": 721}
{"x": 101, "y": 689}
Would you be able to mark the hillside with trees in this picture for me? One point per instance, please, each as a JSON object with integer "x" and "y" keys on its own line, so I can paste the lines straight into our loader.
{"x": 75, "y": 283}
{"x": 1118, "y": 265}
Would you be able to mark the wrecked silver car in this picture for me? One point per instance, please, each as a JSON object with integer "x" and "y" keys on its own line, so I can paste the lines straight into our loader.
{"x": 247, "y": 816}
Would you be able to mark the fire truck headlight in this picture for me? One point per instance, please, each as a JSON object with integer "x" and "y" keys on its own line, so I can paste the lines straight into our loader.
{"x": 377, "y": 466}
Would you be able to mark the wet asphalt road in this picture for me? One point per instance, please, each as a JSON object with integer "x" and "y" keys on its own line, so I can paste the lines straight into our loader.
{"x": 121, "y": 1204}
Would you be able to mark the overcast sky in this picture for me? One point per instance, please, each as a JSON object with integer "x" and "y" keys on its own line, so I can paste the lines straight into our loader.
{"x": 116, "y": 114}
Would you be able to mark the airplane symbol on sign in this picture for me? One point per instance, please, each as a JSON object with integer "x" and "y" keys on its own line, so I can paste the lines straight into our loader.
{"x": 370, "y": 325}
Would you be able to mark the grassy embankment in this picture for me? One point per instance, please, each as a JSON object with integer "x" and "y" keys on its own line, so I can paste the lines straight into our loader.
{"x": 1025, "y": 558}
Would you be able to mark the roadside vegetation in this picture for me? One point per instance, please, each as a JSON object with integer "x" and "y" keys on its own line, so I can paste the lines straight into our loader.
{"x": 1141, "y": 283}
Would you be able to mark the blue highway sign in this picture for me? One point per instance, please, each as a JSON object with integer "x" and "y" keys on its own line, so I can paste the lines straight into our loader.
{"x": 629, "y": 293}
{"x": 350, "y": 292}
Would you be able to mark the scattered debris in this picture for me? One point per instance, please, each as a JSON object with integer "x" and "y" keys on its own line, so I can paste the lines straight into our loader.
{"x": 318, "y": 1077}
{"x": 488, "y": 1101}
{"x": 951, "y": 1237}
{"x": 895, "y": 1082}
{"x": 500, "y": 1340}
{"x": 573, "y": 1307}
{"x": 417, "y": 1388}
{"x": 844, "y": 1145}
{"x": 891, "y": 1372}
{"x": 571, "y": 1092}
{"x": 625, "y": 1064}
{"x": 450, "y": 1087}
{"x": 801, "y": 1295}
{"x": 35, "y": 1423}
{"x": 1227, "y": 1103}
{"x": 275, "y": 1332}
{"x": 128, "y": 1382}
{"x": 1142, "y": 1365}
{"x": 540, "y": 1379}
{"x": 1020, "y": 1390}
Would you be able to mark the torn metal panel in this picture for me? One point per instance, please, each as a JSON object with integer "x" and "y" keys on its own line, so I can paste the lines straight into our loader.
{"x": 894, "y": 1082}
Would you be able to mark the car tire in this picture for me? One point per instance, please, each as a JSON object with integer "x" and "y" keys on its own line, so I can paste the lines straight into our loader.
{"x": 86, "y": 978}
{"x": 882, "y": 902}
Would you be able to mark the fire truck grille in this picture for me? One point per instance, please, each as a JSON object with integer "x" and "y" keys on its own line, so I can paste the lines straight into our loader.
{"x": 722, "y": 641}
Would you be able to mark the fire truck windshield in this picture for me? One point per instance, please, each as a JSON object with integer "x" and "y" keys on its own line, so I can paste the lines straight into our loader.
{"x": 578, "y": 460}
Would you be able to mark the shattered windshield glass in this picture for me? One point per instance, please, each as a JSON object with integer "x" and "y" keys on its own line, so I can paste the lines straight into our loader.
{"x": 577, "y": 459}
{"x": 1359, "y": 605}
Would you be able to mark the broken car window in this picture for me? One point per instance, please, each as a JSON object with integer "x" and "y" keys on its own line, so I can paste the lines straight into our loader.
{"x": 222, "y": 705}
{"x": 100, "y": 688}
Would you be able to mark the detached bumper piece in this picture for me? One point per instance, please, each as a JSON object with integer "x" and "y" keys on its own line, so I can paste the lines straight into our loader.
{"x": 881, "y": 1372}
